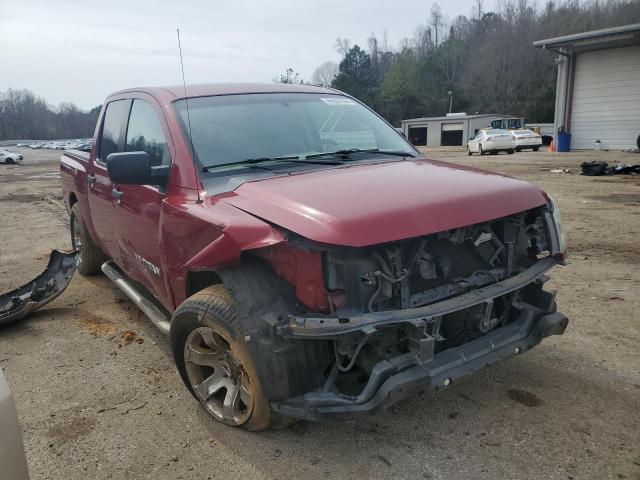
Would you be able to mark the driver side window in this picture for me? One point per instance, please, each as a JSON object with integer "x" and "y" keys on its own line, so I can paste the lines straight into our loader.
{"x": 145, "y": 134}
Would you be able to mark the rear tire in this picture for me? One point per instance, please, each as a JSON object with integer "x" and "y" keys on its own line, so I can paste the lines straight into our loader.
{"x": 214, "y": 362}
{"x": 510, "y": 151}
{"x": 89, "y": 257}
{"x": 468, "y": 151}
{"x": 9, "y": 161}
{"x": 482, "y": 152}
{"x": 535, "y": 149}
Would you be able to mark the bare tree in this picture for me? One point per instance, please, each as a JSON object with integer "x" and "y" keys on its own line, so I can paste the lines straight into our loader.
{"x": 325, "y": 74}
{"x": 422, "y": 40}
{"x": 436, "y": 22}
{"x": 342, "y": 46}
{"x": 372, "y": 43}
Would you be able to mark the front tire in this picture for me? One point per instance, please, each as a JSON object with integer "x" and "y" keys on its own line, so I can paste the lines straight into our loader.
{"x": 213, "y": 360}
{"x": 89, "y": 257}
{"x": 510, "y": 151}
{"x": 481, "y": 150}
{"x": 535, "y": 149}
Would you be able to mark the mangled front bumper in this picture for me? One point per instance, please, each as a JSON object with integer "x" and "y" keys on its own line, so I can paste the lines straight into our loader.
{"x": 405, "y": 376}
{"x": 18, "y": 303}
{"x": 419, "y": 371}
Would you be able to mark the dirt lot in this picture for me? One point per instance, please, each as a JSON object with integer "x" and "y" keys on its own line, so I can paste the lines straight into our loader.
{"x": 98, "y": 396}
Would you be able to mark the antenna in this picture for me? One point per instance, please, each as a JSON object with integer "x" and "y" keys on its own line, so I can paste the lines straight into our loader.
{"x": 186, "y": 100}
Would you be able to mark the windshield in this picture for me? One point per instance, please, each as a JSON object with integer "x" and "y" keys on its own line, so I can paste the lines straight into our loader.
{"x": 235, "y": 128}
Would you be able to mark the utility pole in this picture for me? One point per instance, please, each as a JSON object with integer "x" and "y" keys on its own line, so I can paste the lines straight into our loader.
{"x": 450, "y": 100}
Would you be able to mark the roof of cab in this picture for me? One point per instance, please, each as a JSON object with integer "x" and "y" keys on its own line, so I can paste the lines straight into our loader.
{"x": 176, "y": 92}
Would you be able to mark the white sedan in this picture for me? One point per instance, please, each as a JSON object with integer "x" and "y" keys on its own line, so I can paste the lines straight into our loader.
{"x": 9, "y": 157}
{"x": 526, "y": 139}
{"x": 491, "y": 141}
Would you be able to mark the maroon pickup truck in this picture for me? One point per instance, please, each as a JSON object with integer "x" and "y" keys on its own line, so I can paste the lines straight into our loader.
{"x": 303, "y": 258}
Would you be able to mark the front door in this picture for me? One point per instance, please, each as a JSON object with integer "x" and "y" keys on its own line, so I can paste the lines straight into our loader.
{"x": 138, "y": 207}
{"x": 101, "y": 202}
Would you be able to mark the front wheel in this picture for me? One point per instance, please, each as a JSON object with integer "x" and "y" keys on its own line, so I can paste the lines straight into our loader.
{"x": 89, "y": 257}
{"x": 481, "y": 150}
{"x": 210, "y": 353}
{"x": 535, "y": 149}
{"x": 510, "y": 151}
{"x": 468, "y": 151}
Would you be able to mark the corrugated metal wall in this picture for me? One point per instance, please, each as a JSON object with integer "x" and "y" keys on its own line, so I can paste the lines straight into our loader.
{"x": 606, "y": 99}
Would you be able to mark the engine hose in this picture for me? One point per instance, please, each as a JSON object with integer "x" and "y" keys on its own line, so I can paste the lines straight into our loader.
{"x": 355, "y": 354}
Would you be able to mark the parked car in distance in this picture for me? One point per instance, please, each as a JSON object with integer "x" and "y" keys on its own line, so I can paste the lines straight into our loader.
{"x": 10, "y": 158}
{"x": 303, "y": 258}
{"x": 526, "y": 139}
{"x": 491, "y": 141}
{"x": 13, "y": 463}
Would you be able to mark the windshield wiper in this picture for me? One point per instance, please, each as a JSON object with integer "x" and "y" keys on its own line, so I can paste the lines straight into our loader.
{"x": 260, "y": 161}
{"x": 345, "y": 153}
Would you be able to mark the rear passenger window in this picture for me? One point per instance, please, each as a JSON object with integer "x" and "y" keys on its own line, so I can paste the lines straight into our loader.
{"x": 115, "y": 119}
{"x": 145, "y": 134}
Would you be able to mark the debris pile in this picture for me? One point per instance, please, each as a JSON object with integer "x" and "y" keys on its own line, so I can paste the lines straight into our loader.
{"x": 596, "y": 169}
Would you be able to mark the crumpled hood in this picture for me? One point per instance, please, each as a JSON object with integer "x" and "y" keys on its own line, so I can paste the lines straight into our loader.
{"x": 367, "y": 204}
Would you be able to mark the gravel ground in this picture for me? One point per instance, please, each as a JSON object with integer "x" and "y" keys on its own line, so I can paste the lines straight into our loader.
{"x": 98, "y": 396}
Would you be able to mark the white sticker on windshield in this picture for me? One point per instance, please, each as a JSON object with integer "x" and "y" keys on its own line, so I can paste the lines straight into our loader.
{"x": 337, "y": 101}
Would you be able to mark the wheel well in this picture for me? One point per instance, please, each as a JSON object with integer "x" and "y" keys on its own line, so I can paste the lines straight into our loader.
{"x": 197, "y": 281}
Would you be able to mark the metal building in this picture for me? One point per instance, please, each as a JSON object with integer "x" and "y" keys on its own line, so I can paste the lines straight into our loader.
{"x": 454, "y": 129}
{"x": 598, "y": 87}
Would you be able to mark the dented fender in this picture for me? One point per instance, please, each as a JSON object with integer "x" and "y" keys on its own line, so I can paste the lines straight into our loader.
{"x": 227, "y": 249}
{"x": 18, "y": 303}
{"x": 239, "y": 232}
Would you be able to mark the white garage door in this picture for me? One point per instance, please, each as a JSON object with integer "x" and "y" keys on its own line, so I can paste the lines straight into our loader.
{"x": 606, "y": 99}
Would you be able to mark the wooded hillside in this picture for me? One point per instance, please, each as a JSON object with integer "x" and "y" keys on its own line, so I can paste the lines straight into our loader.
{"x": 485, "y": 60}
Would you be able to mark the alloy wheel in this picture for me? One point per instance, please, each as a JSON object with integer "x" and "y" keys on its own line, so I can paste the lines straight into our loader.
{"x": 76, "y": 240}
{"x": 217, "y": 378}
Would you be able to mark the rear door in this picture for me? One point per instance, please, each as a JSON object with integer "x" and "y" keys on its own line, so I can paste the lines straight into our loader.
{"x": 138, "y": 207}
{"x": 101, "y": 202}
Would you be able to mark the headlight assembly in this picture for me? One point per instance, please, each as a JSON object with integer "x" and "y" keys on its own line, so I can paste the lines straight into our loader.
{"x": 558, "y": 234}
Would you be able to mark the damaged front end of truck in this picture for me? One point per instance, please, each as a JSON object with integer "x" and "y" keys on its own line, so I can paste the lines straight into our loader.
{"x": 338, "y": 331}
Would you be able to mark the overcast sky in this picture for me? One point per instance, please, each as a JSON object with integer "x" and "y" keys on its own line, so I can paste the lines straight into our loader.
{"x": 80, "y": 51}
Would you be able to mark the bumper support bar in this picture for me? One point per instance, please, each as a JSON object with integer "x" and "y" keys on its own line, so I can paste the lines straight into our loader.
{"x": 404, "y": 376}
{"x": 325, "y": 327}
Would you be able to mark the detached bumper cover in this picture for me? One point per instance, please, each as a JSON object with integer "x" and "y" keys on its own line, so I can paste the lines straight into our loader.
{"x": 405, "y": 376}
{"x": 48, "y": 285}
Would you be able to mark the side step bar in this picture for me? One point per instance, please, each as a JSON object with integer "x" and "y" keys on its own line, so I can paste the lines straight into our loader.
{"x": 160, "y": 319}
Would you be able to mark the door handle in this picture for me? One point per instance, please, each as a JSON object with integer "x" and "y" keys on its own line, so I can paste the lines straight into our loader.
{"x": 91, "y": 179}
{"x": 117, "y": 194}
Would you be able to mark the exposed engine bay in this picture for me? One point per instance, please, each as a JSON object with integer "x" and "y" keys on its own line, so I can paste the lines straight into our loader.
{"x": 369, "y": 292}
{"x": 419, "y": 271}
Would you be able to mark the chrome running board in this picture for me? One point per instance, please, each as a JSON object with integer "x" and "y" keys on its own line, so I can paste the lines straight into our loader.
{"x": 160, "y": 319}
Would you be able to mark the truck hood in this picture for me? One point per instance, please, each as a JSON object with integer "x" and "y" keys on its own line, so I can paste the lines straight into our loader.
{"x": 367, "y": 204}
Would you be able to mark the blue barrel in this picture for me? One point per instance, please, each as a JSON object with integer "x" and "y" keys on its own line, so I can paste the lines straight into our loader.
{"x": 564, "y": 142}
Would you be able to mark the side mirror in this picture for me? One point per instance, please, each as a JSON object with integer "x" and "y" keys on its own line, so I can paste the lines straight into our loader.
{"x": 134, "y": 168}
